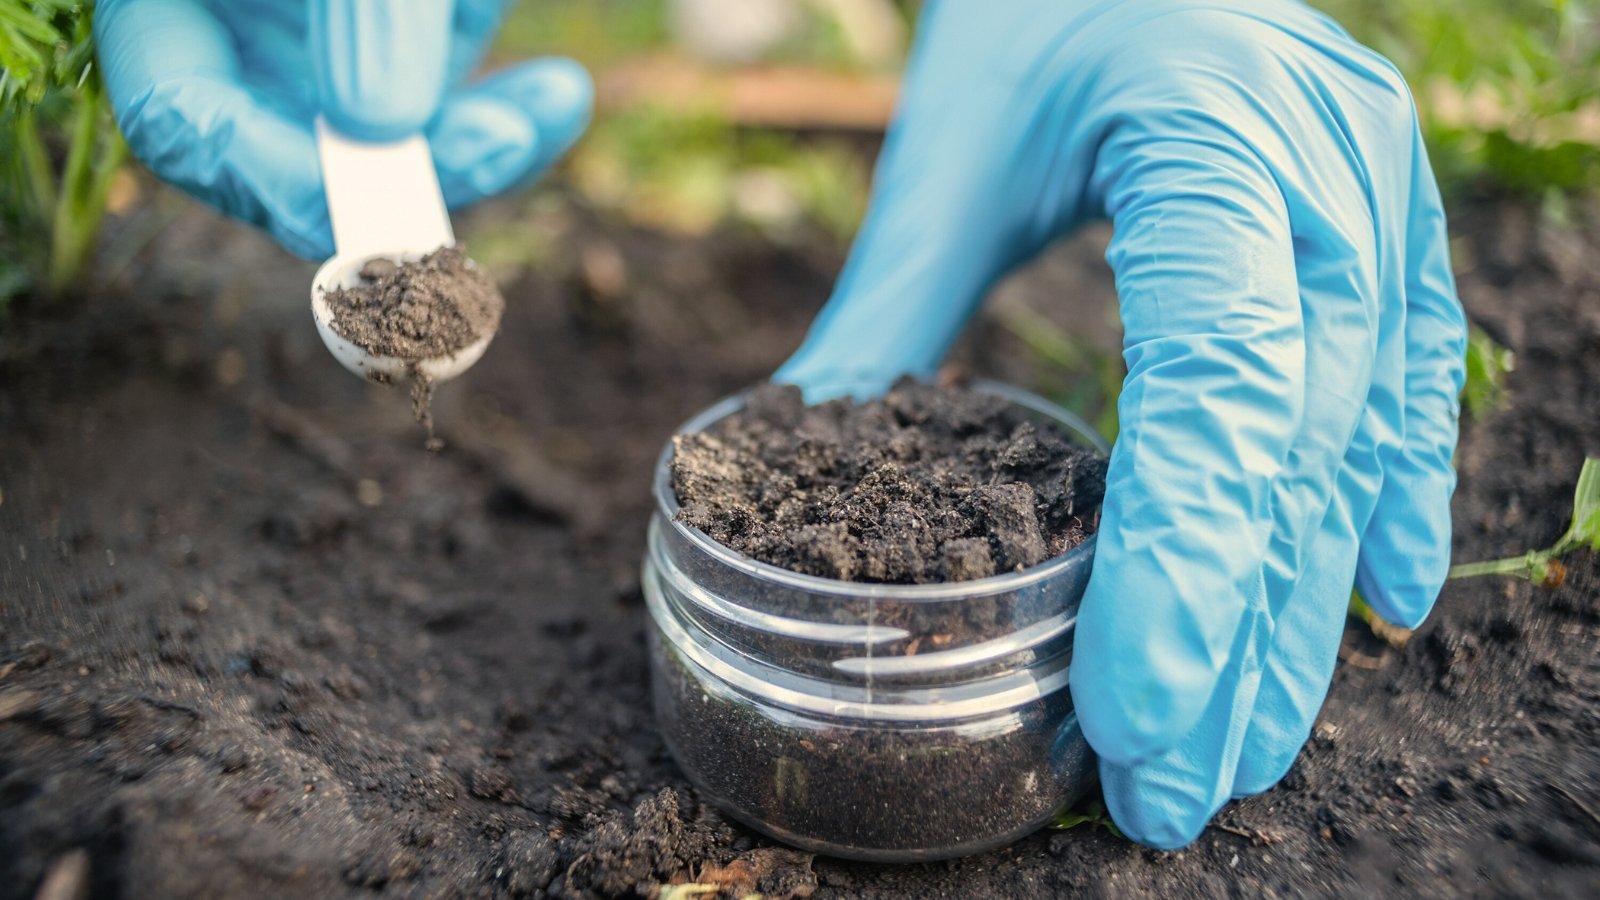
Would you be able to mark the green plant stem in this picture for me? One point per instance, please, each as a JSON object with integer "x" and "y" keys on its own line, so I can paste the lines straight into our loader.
{"x": 35, "y": 160}
{"x": 106, "y": 168}
{"x": 1529, "y": 565}
{"x": 75, "y": 175}
{"x": 1041, "y": 336}
{"x": 85, "y": 184}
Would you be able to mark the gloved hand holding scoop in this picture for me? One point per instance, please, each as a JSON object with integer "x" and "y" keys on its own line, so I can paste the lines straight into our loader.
{"x": 221, "y": 101}
{"x": 397, "y": 301}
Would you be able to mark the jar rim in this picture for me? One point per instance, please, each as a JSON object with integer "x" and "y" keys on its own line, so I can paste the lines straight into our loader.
{"x": 667, "y": 502}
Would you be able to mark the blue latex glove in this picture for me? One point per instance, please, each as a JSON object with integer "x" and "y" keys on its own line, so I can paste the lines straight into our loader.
{"x": 219, "y": 98}
{"x": 1293, "y": 340}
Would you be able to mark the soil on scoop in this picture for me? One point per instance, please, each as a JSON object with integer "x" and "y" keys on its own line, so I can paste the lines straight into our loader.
{"x": 927, "y": 484}
{"x": 253, "y": 642}
{"x": 417, "y": 310}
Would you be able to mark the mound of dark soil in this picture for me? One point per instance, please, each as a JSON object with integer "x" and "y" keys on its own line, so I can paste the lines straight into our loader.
{"x": 927, "y": 484}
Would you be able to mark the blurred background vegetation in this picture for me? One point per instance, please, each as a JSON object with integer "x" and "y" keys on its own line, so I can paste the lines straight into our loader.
{"x": 1506, "y": 89}
{"x": 1508, "y": 92}
{"x": 59, "y": 152}
{"x": 764, "y": 115}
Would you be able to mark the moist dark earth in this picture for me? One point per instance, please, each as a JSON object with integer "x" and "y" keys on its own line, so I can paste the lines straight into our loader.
{"x": 927, "y": 484}
{"x": 255, "y": 641}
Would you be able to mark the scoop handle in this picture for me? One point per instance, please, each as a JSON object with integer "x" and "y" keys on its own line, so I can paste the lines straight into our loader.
{"x": 382, "y": 198}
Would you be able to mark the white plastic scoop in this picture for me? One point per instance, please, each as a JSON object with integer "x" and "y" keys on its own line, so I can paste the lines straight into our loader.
{"x": 384, "y": 202}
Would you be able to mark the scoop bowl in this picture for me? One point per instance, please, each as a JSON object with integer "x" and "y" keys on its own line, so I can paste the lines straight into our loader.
{"x": 344, "y": 271}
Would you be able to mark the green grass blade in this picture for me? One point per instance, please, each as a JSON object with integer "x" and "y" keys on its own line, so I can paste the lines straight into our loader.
{"x": 1585, "y": 530}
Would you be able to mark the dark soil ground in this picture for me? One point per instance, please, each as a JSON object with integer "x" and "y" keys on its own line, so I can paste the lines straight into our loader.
{"x": 255, "y": 641}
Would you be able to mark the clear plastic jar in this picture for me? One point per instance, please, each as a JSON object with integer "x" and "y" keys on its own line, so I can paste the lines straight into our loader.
{"x": 892, "y": 723}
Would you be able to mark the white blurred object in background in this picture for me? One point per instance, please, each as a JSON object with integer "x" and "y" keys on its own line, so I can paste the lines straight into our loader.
{"x": 732, "y": 31}
{"x": 873, "y": 29}
{"x": 744, "y": 31}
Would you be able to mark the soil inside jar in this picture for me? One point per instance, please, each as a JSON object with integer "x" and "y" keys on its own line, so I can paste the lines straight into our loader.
{"x": 890, "y": 794}
{"x": 927, "y": 484}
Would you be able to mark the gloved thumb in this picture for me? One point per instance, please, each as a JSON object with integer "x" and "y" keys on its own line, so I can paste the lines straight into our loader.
{"x": 380, "y": 65}
{"x": 917, "y": 271}
{"x": 940, "y": 227}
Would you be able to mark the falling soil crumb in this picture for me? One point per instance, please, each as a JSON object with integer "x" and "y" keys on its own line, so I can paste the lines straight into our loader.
{"x": 422, "y": 406}
{"x": 417, "y": 310}
{"x": 925, "y": 485}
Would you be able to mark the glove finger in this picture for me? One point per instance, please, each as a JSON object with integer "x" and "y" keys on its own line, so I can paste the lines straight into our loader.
{"x": 1307, "y": 570}
{"x": 1165, "y": 802}
{"x": 1256, "y": 723}
{"x": 1405, "y": 551}
{"x": 380, "y": 66}
{"x": 1168, "y": 800}
{"x": 1354, "y": 377}
{"x": 509, "y": 127}
{"x": 141, "y": 44}
{"x": 1305, "y": 644}
{"x": 1333, "y": 191}
{"x": 1212, "y": 402}
{"x": 476, "y": 22}
{"x": 1311, "y": 567}
{"x": 170, "y": 70}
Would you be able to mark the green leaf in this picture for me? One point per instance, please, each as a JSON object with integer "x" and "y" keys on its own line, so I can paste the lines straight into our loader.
{"x": 44, "y": 46}
{"x": 1534, "y": 60}
{"x": 1585, "y": 530}
{"x": 1092, "y": 813}
{"x": 1487, "y": 364}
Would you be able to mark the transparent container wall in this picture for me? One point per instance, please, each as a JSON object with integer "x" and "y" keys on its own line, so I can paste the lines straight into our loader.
{"x": 859, "y": 789}
{"x": 888, "y": 722}
{"x": 896, "y": 637}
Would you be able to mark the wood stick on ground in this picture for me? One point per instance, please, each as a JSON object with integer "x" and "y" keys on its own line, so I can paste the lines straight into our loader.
{"x": 1256, "y": 836}
{"x": 1577, "y": 804}
{"x": 1361, "y": 660}
{"x": 768, "y": 96}
{"x": 68, "y": 878}
{"x": 289, "y": 424}
{"x": 519, "y": 467}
